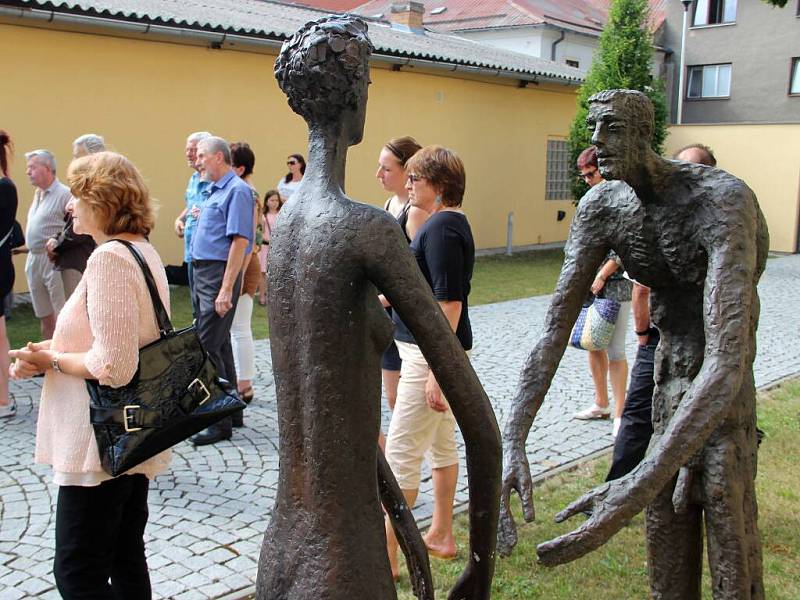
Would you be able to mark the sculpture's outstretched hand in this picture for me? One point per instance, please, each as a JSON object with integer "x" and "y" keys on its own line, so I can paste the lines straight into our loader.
{"x": 611, "y": 508}
{"x": 517, "y": 477}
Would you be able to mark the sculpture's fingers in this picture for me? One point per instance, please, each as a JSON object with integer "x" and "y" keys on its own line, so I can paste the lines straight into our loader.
{"x": 564, "y": 548}
{"x": 506, "y": 527}
{"x": 525, "y": 490}
{"x": 580, "y": 505}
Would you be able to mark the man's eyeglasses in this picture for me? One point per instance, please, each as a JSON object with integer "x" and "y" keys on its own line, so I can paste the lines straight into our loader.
{"x": 589, "y": 175}
{"x": 413, "y": 178}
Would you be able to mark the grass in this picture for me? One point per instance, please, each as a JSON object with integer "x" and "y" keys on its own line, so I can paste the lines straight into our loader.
{"x": 618, "y": 569}
{"x": 496, "y": 278}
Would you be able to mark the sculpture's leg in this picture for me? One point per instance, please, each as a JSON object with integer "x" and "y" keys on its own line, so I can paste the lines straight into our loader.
{"x": 674, "y": 548}
{"x": 406, "y": 530}
{"x": 731, "y": 512}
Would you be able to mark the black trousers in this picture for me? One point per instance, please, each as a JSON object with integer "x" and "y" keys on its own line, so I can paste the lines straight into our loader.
{"x": 636, "y": 425}
{"x": 214, "y": 331}
{"x": 100, "y": 536}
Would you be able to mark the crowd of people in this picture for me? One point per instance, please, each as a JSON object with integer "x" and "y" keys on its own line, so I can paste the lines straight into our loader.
{"x": 95, "y": 314}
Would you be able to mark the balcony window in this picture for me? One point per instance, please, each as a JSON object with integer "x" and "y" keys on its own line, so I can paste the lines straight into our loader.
{"x": 709, "y": 81}
{"x": 794, "y": 78}
{"x": 714, "y": 12}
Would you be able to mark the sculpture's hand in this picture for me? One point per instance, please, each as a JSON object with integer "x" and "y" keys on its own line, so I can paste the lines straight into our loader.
{"x": 611, "y": 508}
{"x": 517, "y": 477}
{"x": 471, "y": 585}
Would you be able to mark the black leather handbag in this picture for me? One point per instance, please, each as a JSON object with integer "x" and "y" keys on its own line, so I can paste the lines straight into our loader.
{"x": 174, "y": 394}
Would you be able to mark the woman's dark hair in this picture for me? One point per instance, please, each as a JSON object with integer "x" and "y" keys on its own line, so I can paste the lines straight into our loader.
{"x": 5, "y": 149}
{"x": 243, "y": 156}
{"x": 403, "y": 148}
{"x": 269, "y": 195}
{"x": 299, "y": 158}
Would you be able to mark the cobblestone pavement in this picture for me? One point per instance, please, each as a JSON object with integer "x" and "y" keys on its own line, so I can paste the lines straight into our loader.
{"x": 193, "y": 554}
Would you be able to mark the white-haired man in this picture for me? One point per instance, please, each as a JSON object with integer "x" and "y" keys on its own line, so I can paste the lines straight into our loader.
{"x": 221, "y": 242}
{"x": 45, "y": 220}
{"x": 193, "y": 197}
{"x": 68, "y": 250}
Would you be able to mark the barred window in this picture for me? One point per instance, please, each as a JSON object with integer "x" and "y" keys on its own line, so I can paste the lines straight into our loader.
{"x": 558, "y": 180}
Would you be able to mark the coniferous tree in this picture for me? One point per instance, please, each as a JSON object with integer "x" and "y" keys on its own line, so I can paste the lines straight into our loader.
{"x": 623, "y": 60}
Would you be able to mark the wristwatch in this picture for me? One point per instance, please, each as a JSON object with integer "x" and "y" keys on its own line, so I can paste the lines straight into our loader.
{"x": 54, "y": 363}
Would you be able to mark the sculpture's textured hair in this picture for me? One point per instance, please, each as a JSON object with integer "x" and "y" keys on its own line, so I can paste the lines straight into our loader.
{"x": 320, "y": 66}
{"x": 115, "y": 191}
{"x": 635, "y": 104}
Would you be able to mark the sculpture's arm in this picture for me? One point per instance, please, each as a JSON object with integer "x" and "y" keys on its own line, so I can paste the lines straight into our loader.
{"x": 584, "y": 252}
{"x": 394, "y": 271}
{"x": 729, "y": 306}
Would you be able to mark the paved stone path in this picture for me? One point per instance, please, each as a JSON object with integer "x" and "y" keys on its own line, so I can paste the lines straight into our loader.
{"x": 195, "y": 555}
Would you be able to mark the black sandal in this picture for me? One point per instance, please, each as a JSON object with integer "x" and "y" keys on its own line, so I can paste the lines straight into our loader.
{"x": 247, "y": 395}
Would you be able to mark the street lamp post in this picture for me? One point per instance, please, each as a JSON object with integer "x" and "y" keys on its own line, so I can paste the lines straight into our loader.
{"x": 686, "y": 5}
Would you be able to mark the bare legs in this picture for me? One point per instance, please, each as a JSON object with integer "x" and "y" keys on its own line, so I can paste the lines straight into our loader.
{"x": 617, "y": 371}
{"x": 391, "y": 379}
{"x": 439, "y": 538}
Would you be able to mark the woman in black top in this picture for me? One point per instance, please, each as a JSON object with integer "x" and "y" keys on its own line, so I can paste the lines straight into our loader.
{"x": 392, "y": 176}
{"x": 422, "y": 422}
{"x": 8, "y": 213}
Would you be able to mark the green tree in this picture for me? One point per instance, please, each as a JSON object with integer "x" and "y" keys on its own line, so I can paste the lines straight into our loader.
{"x": 623, "y": 60}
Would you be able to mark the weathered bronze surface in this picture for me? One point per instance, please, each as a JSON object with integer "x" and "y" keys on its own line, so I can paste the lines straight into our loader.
{"x": 696, "y": 236}
{"x": 328, "y": 257}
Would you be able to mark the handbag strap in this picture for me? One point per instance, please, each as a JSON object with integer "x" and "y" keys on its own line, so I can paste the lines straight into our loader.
{"x": 164, "y": 324}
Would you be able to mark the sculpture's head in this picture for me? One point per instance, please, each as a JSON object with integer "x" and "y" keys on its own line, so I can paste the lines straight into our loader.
{"x": 621, "y": 122}
{"x": 324, "y": 71}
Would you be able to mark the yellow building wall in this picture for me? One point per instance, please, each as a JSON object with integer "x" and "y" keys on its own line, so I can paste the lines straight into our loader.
{"x": 765, "y": 157}
{"x": 144, "y": 97}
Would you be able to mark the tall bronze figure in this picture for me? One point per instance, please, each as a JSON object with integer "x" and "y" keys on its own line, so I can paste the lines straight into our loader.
{"x": 696, "y": 236}
{"x": 329, "y": 257}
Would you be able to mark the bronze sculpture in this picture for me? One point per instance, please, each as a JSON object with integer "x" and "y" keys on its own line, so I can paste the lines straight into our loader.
{"x": 328, "y": 257}
{"x": 696, "y": 236}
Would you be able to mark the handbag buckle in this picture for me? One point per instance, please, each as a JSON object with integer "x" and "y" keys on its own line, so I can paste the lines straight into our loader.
{"x": 128, "y": 418}
{"x": 204, "y": 388}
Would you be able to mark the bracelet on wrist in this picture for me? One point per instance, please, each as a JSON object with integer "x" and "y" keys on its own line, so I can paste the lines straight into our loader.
{"x": 55, "y": 364}
{"x": 645, "y": 332}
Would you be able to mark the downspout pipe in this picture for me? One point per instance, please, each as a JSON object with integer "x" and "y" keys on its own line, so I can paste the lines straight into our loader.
{"x": 556, "y": 43}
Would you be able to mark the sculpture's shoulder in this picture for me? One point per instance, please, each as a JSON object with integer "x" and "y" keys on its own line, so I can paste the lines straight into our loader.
{"x": 605, "y": 203}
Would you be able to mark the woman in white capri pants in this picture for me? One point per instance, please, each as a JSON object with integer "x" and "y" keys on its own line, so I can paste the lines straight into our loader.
{"x": 422, "y": 423}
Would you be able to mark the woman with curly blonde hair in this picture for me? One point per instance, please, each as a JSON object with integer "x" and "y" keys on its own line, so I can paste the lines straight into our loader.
{"x": 100, "y": 520}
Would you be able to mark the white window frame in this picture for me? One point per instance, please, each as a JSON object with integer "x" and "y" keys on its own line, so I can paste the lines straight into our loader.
{"x": 701, "y": 18}
{"x": 710, "y": 71}
{"x": 558, "y": 171}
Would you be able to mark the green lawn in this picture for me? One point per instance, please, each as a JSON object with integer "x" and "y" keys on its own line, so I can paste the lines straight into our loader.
{"x": 618, "y": 569}
{"x": 496, "y": 278}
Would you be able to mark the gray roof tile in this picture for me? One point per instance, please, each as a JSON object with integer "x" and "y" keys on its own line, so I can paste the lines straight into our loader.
{"x": 263, "y": 18}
